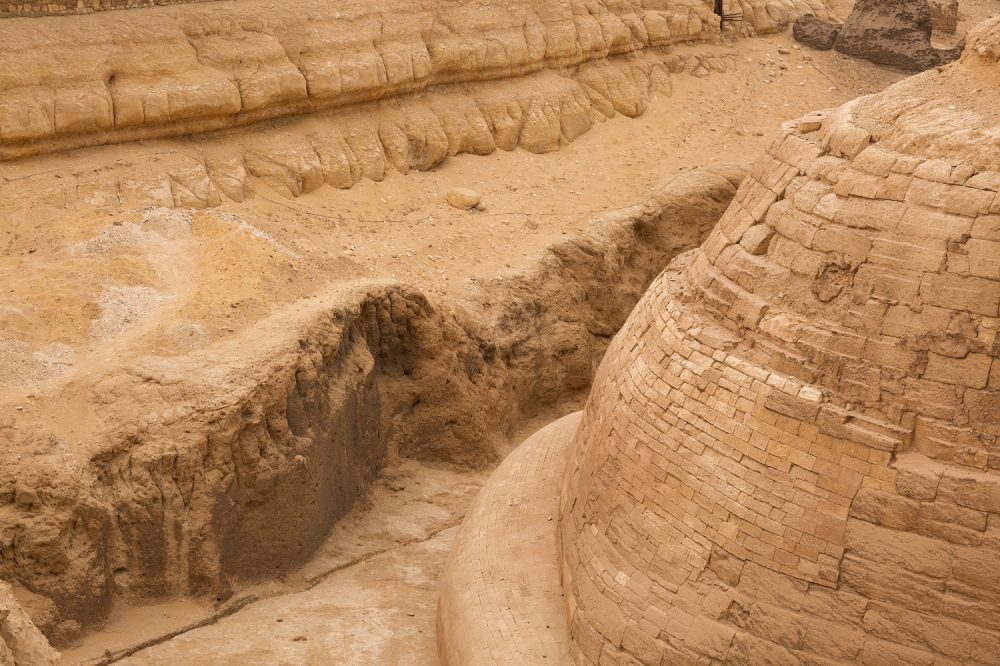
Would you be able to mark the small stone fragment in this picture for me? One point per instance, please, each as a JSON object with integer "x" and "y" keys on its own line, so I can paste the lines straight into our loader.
{"x": 463, "y": 198}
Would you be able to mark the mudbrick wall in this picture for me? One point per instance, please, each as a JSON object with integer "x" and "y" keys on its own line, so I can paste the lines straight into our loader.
{"x": 230, "y": 474}
{"x": 85, "y": 80}
{"x": 790, "y": 453}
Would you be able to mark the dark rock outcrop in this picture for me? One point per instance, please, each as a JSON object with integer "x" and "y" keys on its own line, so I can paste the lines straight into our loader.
{"x": 815, "y": 32}
{"x": 896, "y": 33}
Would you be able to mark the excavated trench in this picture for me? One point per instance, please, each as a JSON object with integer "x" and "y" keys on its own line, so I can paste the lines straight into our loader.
{"x": 237, "y": 474}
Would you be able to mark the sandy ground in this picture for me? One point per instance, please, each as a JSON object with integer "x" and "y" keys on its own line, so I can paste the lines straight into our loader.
{"x": 89, "y": 285}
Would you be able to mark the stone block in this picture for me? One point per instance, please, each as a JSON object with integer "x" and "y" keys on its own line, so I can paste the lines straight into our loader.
{"x": 866, "y": 214}
{"x": 976, "y": 295}
{"x": 851, "y": 243}
{"x": 974, "y": 490}
{"x": 985, "y": 180}
{"x": 710, "y": 638}
{"x": 876, "y": 160}
{"x": 894, "y": 548}
{"x": 922, "y": 222}
{"x": 757, "y": 238}
{"x": 972, "y": 371}
{"x": 883, "y": 653}
{"x": 968, "y": 201}
{"x": 987, "y": 227}
{"x": 885, "y": 509}
{"x": 984, "y": 258}
{"x": 927, "y": 193}
{"x": 912, "y": 254}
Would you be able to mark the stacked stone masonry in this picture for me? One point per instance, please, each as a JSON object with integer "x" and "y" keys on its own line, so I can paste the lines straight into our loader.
{"x": 790, "y": 453}
{"x": 773, "y": 537}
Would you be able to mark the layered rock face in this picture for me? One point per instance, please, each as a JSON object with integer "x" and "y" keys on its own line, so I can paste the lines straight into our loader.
{"x": 86, "y": 80}
{"x": 232, "y": 462}
{"x": 57, "y": 7}
{"x": 790, "y": 453}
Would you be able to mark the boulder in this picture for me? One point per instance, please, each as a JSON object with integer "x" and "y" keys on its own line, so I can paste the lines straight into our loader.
{"x": 896, "y": 33}
{"x": 815, "y": 32}
{"x": 463, "y": 198}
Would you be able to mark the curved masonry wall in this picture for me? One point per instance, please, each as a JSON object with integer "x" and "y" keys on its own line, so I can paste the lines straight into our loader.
{"x": 500, "y": 597}
{"x": 790, "y": 451}
{"x": 732, "y": 526}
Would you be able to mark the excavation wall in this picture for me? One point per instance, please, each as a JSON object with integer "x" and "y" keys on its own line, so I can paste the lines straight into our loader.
{"x": 235, "y": 473}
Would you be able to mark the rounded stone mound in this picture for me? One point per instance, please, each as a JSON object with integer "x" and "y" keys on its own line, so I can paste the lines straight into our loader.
{"x": 790, "y": 453}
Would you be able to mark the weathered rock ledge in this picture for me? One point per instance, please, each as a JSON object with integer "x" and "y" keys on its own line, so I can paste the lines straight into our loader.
{"x": 102, "y": 78}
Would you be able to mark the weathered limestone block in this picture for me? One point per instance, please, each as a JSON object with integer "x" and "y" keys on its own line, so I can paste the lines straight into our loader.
{"x": 944, "y": 15}
{"x": 183, "y": 96}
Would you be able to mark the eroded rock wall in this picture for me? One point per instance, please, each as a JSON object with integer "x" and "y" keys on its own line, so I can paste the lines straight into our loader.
{"x": 31, "y": 8}
{"x": 896, "y": 33}
{"x": 100, "y": 78}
